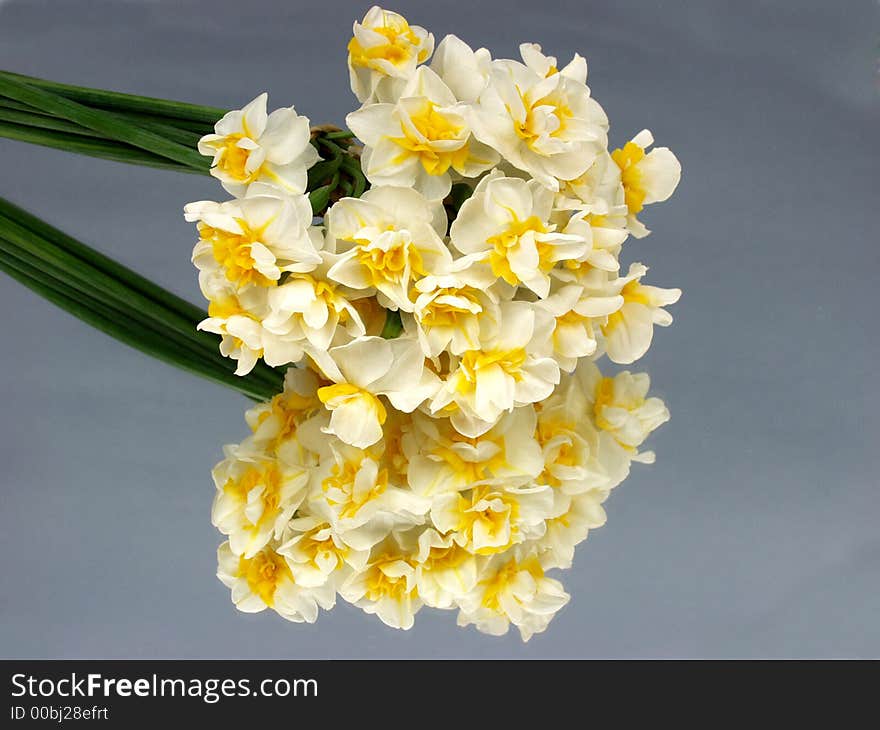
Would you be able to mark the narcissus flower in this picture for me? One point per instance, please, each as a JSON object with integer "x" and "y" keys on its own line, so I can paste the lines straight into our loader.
{"x": 237, "y": 316}
{"x": 623, "y": 409}
{"x": 444, "y": 435}
{"x": 419, "y": 141}
{"x": 441, "y": 460}
{"x": 312, "y": 308}
{"x": 577, "y": 318}
{"x": 387, "y": 585}
{"x": 547, "y": 126}
{"x": 647, "y": 177}
{"x": 251, "y": 147}
{"x": 506, "y": 223}
{"x": 449, "y": 309}
{"x": 256, "y": 239}
{"x": 445, "y": 571}
{"x": 255, "y": 499}
{"x": 506, "y": 372}
{"x": 513, "y": 592}
{"x": 630, "y": 329}
{"x": 384, "y": 53}
{"x": 362, "y": 371}
{"x": 387, "y": 240}
{"x": 267, "y": 581}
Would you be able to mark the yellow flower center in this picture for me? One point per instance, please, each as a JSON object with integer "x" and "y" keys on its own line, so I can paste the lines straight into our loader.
{"x": 470, "y": 472}
{"x": 342, "y": 483}
{"x": 233, "y": 252}
{"x": 234, "y": 159}
{"x": 389, "y": 263}
{"x": 493, "y": 521}
{"x": 289, "y": 409}
{"x": 267, "y": 475}
{"x": 548, "y": 116}
{"x": 498, "y": 583}
{"x": 401, "y": 42}
{"x": 264, "y": 573}
{"x": 633, "y": 293}
{"x": 503, "y": 242}
{"x": 627, "y": 160}
{"x": 445, "y": 311}
{"x": 335, "y": 395}
{"x": 510, "y": 361}
{"x": 326, "y": 548}
{"x": 382, "y": 585}
{"x": 434, "y": 126}
{"x": 445, "y": 558}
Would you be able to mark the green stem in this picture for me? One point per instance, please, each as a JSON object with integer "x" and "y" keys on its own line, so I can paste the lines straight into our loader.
{"x": 92, "y": 147}
{"x": 393, "y": 326}
{"x": 100, "y": 121}
{"x": 101, "y": 262}
{"x": 117, "y": 101}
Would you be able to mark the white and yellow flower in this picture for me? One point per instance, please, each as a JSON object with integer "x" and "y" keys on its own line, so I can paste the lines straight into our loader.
{"x": 253, "y": 241}
{"x": 449, "y": 309}
{"x": 275, "y": 423}
{"x": 255, "y": 499}
{"x": 507, "y": 371}
{"x": 583, "y": 512}
{"x": 419, "y": 141}
{"x": 623, "y": 409}
{"x": 363, "y": 370}
{"x": 387, "y": 586}
{"x": 356, "y": 495}
{"x": 445, "y": 571}
{"x": 250, "y": 146}
{"x": 266, "y": 581}
{"x": 384, "y": 53}
{"x": 629, "y": 330}
{"x": 546, "y": 126}
{"x": 491, "y": 519}
{"x": 313, "y": 308}
{"x": 387, "y": 240}
{"x": 441, "y": 460}
{"x": 577, "y": 317}
{"x": 647, "y": 177}
{"x": 316, "y": 555}
{"x": 506, "y": 223}
{"x": 512, "y": 591}
{"x": 573, "y": 459}
{"x": 237, "y": 316}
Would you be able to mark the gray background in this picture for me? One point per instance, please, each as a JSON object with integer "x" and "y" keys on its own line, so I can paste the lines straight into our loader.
{"x": 755, "y": 534}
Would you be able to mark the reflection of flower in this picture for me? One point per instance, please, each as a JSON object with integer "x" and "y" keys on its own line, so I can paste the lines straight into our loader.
{"x": 444, "y": 435}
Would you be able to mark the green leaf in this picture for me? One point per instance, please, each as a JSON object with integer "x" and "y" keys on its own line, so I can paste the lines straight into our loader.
{"x": 96, "y": 315}
{"x": 108, "y": 125}
{"x": 117, "y": 101}
{"x": 92, "y": 147}
{"x": 124, "y": 295}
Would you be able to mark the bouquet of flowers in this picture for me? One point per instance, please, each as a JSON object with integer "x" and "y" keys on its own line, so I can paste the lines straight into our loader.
{"x": 418, "y": 304}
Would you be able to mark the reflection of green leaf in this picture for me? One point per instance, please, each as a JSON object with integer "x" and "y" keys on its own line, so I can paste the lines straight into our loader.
{"x": 118, "y": 301}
